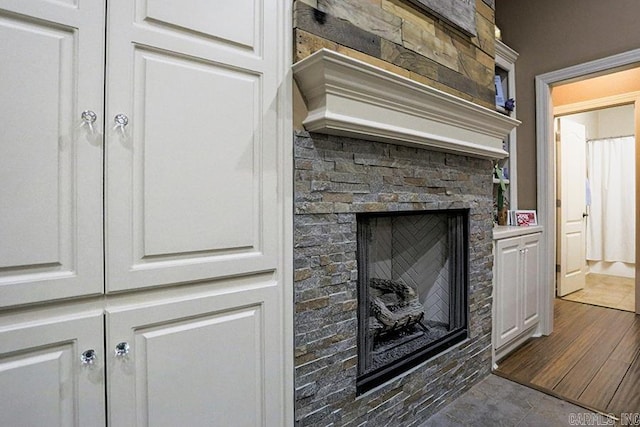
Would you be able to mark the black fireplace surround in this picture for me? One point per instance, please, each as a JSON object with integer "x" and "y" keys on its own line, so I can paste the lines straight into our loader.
{"x": 412, "y": 289}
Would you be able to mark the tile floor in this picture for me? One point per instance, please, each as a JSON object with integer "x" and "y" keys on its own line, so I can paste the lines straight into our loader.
{"x": 607, "y": 291}
{"x": 496, "y": 401}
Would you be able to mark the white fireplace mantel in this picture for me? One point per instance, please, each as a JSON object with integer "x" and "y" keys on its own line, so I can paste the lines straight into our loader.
{"x": 351, "y": 98}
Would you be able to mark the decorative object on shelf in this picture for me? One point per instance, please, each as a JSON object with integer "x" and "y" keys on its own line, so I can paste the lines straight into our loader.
{"x": 524, "y": 218}
{"x": 502, "y": 189}
{"x": 497, "y": 80}
{"x": 510, "y": 104}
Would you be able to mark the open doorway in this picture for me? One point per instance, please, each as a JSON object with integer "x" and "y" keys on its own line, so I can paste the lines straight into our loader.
{"x": 546, "y": 157}
{"x": 595, "y": 187}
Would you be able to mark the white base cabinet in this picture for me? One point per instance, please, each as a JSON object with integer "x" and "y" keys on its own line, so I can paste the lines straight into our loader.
{"x": 195, "y": 359}
{"x": 192, "y": 356}
{"x": 42, "y": 379}
{"x": 516, "y": 304}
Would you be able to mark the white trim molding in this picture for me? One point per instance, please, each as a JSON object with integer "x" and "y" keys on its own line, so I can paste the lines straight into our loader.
{"x": 546, "y": 173}
{"x": 285, "y": 206}
{"x": 593, "y": 104}
{"x": 505, "y": 56}
{"x": 349, "y": 97}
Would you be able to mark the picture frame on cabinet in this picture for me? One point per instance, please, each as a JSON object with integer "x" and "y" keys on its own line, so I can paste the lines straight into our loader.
{"x": 524, "y": 218}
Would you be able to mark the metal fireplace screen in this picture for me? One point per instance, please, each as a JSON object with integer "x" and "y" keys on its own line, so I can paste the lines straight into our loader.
{"x": 412, "y": 290}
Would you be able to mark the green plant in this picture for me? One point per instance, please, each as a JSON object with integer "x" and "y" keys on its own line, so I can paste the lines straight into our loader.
{"x": 502, "y": 187}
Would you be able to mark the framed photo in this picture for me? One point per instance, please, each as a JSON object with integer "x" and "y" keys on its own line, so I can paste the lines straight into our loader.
{"x": 525, "y": 218}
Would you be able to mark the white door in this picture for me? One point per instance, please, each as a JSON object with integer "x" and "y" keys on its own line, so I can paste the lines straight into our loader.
{"x": 571, "y": 193}
{"x": 191, "y": 183}
{"x": 202, "y": 359}
{"x": 50, "y": 164}
{"x": 43, "y": 381}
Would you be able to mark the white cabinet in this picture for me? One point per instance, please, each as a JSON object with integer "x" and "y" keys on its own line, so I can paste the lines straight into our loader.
{"x": 42, "y": 380}
{"x": 142, "y": 209}
{"x": 516, "y": 290}
{"x": 51, "y": 170}
{"x": 200, "y": 357}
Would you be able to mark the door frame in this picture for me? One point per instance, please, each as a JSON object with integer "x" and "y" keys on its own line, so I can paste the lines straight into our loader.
{"x": 546, "y": 174}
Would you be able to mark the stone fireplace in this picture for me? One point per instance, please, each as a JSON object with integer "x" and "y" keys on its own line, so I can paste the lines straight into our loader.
{"x": 384, "y": 156}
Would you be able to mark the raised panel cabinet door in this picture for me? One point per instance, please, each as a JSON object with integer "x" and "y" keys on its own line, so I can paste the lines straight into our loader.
{"x": 191, "y": 179}
{"x": 508, "y": 283}
{"x": 43, "y": 379}
{"x": 531, "y": 280}
{"x": 50, "y": 158}
{"x": 206, "y": 359}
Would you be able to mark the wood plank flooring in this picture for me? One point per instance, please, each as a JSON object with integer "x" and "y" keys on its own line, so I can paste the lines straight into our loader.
{"x": 592, "y": 358}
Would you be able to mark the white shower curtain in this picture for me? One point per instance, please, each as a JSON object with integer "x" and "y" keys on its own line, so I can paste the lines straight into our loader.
{"x": 611, "y": 183}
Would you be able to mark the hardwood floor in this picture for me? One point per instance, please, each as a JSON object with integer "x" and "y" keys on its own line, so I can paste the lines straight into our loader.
{"x": 592, "y": 358}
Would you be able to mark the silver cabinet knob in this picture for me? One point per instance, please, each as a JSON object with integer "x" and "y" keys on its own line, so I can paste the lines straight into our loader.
{"x": 121, "y": 120}
{"x": 88, "y": 357}
{"x": 88, "y": 116}
{"x": 122, "y": 349}
{"x": 88, "y": 119}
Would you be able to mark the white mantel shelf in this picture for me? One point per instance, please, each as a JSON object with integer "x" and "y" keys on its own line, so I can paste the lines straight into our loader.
{"x": 351, "y": 98}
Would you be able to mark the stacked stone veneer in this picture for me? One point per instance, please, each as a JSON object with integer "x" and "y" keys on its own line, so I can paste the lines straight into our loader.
{"x": 335, "y": 178}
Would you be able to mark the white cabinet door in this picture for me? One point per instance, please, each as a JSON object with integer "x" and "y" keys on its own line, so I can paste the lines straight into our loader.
{"x": 530, "y": 280}
{"x": 50, "y": 166}
{"x": 517, "y": 287}
{"x": 42, "y": 379}
{"x": 191, "y": 179}
{"x": 199, "y": 359}
{"x": 508, "y": 283}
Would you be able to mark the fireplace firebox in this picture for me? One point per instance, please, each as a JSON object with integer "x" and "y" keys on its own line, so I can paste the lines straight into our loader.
{"x": 412, "y": 290}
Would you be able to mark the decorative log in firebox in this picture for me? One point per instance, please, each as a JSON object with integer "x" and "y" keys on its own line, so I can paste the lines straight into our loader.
{"x": 394, "y": 306}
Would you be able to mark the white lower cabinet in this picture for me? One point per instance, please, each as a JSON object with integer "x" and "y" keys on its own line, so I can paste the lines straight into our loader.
{"x": 43, "y": 380}
{"x": 194, "y": 360}
{"x": 516, "y": 304}
{"x": 174, "y": 358}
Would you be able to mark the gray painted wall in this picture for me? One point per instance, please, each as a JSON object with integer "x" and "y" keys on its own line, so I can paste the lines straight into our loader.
{"x": 550, "y": 35}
